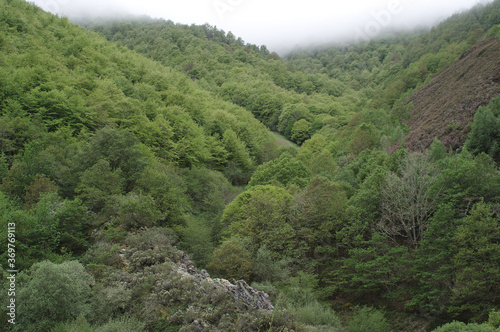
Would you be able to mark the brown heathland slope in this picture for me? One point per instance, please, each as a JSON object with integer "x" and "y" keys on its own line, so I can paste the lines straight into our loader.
{"x": 444, "y": 107}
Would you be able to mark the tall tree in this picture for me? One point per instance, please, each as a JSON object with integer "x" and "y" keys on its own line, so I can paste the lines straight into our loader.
{"x": 407, "y": 201}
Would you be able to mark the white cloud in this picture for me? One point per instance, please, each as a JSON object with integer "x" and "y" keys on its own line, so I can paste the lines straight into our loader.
{"x": 279, "y": 24}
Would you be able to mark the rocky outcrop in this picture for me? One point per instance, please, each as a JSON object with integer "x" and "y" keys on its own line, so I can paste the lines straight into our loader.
{"x": 240, "y": 291}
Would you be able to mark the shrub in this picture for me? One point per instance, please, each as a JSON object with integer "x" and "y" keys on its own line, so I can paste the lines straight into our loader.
{"x": 368, "y": 320}
{"x": 54, "y": 293}
{"x": 232, "y": 261}
{"x": 462, "y": 327}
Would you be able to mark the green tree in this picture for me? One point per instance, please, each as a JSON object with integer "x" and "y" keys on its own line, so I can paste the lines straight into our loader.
{"x": 467, "y": 179}
{"x": 53, "y": 293}
{"x": 462, "y": 327}
{"x": 301, "y": 130}
{"x": 74, "y": 226}
{"x": 165, "y": 185}
{"x": 477, "y": 242}
{"x": 285, "y": 170}
{"x": 485, "y": 131}
{"x": 133, "y": 211}
{"x": 232, "y": 261}
{"x": 318, "y": 213}
{"x": 433, "y": 267}
{"x": 241, "y": 164}
{"x": 261, "y": 214}
{"x": 367, "y": 320}
{"x": 41, "y": 184}
{"x": 121, "y": 150}
{"x": 99, "y": 183}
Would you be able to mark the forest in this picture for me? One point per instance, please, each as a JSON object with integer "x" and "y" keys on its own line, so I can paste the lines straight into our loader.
{"x": 145, "y": 163}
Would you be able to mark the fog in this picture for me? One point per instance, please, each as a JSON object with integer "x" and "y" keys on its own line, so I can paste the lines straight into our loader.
{"x": 279, "y": 24}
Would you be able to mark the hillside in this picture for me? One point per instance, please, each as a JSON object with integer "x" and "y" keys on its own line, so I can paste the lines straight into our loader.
{"x": 144, "y": 186}
{"x": 445, "y": 107}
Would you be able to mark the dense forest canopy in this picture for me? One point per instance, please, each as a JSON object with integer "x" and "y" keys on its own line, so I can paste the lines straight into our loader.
{"x": 125, "y": 144}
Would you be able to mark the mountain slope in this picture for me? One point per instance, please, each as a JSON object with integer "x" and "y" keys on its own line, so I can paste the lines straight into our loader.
{"x": 445, "y": 106}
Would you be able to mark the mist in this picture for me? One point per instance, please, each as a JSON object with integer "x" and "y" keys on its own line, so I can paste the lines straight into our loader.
{"x": 280, "y": 25}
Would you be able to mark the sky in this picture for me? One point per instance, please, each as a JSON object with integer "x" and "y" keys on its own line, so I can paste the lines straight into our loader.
{"x": 281, "y": 25}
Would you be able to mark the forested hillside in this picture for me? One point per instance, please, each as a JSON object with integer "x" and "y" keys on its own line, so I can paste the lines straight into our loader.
{"x": 123, "y": 147}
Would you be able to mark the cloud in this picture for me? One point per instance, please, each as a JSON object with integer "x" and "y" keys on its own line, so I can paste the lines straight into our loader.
{"x": 278, "y": 24}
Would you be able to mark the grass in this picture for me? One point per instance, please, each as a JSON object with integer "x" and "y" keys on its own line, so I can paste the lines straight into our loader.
{"x": 283, "y": 141}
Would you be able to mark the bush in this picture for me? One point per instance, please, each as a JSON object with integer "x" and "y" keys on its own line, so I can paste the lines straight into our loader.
{"x": 268, "y": 269}
{"x": 368, "y": 320}
{"x": 462, "y": 327}
{"x": 317, "y": 314}
{"x": 133, "y": 211}
{"x": 232, "y": 261}
{"x": 54, "y": 293}
{"x": 494, "y": 319}
{"x": 113, "y": 325}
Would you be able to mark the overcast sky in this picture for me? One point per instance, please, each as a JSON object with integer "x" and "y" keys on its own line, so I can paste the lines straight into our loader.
{"x": 278, "y": 24}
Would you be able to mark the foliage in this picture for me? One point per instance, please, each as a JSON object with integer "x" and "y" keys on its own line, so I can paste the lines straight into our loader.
{"x": 286, "y": 170}
{"x": 232, "y": 261}
{"x": 368, "y": 319}
{"x": 301, "y": 131}
{"x": 485, "y": 131}
{"x": 260, "y": 213}
{"x": 113, "y": 325}
{"x": 119, "y": 158}
{"x": 462, "y": 327}
{"x": 54, "y": 293}
{"x": 477, "y": 250}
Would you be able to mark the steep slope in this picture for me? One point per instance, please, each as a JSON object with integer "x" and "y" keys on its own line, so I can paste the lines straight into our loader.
{"x": 58, "y": 75}
{"x": 446, "y": 105}
{"x": 98, "y": 143}
{"x": 244, "y": 74}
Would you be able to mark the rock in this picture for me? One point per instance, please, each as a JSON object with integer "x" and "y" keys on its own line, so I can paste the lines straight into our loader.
{"x": 240, "y": 291}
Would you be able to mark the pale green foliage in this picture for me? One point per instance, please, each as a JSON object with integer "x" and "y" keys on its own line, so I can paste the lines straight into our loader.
{"x": 437, "y": 150}
{"x": 165, "y": 185}
{"x": 298, "y": 296}
{"x": 485, "y": 131}
{"x": 238, "y": 170}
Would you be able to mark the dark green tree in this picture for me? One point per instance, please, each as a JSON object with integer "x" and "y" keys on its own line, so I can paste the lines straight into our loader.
{"x": 485, "y": 131}
{"x": 477, "y": 272}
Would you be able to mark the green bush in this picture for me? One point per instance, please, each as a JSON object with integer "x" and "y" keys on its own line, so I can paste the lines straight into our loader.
{"x": 462, "y": 327}
{"x": 368, "y": 320}
{"x": 54, "y": 293}
{"x": 122, "y": 324}
{"x": 232, "y": 261}
{"x": 315, "y": 314}
{"x": 494, "y": 319}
